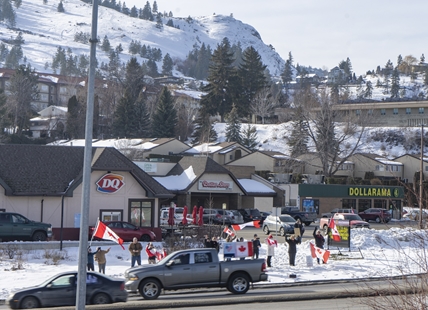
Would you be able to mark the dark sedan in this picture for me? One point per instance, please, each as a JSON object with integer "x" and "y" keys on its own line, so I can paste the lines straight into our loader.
{"x": 376, "y": 214}
{"x": 60, "y": 290}
{"x": 128, "y": 231}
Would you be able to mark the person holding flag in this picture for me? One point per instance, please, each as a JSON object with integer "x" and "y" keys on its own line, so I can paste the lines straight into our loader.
{"x": 271, "y": 245}
{"x": 100, "y": 257}
{"x": 319, "y": 241}
{"x": 151, "y": 253}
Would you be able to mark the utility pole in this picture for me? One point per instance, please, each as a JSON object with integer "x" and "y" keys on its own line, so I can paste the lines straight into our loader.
{"x": 87, "y": 159}
{"x": 421, "y": 176}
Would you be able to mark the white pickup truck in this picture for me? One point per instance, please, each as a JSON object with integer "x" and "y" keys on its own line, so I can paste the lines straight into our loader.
{"x": 194, "y": 268}
{"x": 178, "y": 217}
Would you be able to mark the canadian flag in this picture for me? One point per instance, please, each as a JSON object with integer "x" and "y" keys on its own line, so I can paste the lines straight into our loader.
{"x": 241, "y": 226}
{"x": 271, "y": 241}
{"x": 334, "y": 233}
{"x": 228, "y": 231}
{"x": 103, "y": 232}
{"x": 244, "y": 249}
{"x": 160, "y": 255}
{"x": 319, "y": 253}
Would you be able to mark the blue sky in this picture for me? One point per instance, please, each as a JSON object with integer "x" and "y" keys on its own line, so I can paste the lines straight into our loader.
{"x": 322, "y": 33}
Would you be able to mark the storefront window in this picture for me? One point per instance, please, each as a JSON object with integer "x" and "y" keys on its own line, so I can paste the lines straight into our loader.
{"x": 364, "y": 204}
{"x": 140, "y": 212}
{"x": 311, "y": 205}
{"x": 349, "y": 204}
{"x": 111, "y": 215}
{"x": 380, "y": 203}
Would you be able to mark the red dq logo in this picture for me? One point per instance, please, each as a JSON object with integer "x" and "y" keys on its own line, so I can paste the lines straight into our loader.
{"x": 110, "y": 183}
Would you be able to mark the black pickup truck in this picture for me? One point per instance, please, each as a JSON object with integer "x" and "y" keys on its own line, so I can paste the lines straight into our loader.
{"x": 305, "y": 217}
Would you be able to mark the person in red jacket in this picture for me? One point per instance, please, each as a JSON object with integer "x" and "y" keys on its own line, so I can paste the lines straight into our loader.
{"x": 151, "y": 253}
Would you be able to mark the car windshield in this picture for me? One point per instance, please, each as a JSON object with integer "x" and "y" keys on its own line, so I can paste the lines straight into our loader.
{"x": 287, "y": 219}
{"x": 254, "y": 212}
{"x": 352, "y": 217}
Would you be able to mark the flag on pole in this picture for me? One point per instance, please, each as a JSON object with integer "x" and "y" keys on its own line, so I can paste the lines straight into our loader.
{"x": 103, "y": 232}
{"x": 317, "y": 252}
{"x": 241, "y": 226}
{"x": 334, "y": 233}
{"x": 228, "y": 231}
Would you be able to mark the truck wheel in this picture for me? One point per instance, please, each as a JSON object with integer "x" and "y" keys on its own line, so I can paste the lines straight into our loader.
{"x": 238, "y": 283}
{"x": 39, "y": 236}
{"x": 266, "y": 230}
{"x": 145, "y": 238}
{"x": 282, "y": 232}
{"x": 150, "y": 289}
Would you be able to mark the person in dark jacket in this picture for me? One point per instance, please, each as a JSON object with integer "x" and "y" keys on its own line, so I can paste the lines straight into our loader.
{"x": 207, "y": 242}
{"x": 214, "y": 244}
{"x": 292, "y": 249}
{"x": 135, "y": 249}
{"x": 319, "y": 241}
{"x": 90, "y": 263}
{"x": 256, "y": 246}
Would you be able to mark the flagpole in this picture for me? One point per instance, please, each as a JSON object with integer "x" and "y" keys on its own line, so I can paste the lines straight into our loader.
{"x": 93, "y": 233}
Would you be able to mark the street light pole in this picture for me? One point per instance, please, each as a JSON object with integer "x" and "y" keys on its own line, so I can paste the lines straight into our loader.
{"x": 420, "y": 176}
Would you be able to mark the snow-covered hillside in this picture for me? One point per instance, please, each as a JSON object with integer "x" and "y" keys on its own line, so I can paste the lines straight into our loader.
{"x": 381, "y": 141}
{"x": 44, "y": 29}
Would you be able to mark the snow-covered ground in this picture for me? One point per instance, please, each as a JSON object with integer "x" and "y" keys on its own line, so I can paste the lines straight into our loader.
{"x": 383, "y": 253}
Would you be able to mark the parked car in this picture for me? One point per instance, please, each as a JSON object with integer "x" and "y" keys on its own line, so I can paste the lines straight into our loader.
{"x": 128, "y": 231}
{"x": 304, "y": 216}
{"x": 195, "y": 268}
{"x": 178, "y": 216}
{"x": 250, "y": 214}
{"x": 14, "y": 226}
{"x": 216, "y": 216}
{"x": 60, "y": 290}
{"x": 235, "y": 217}
{"x": 337, "y": 210}
{"x": 344, "y": 219}
{"x": 414, "y": 215}
{"x": 376, "y": 214}
{"x": 284, "y": 224}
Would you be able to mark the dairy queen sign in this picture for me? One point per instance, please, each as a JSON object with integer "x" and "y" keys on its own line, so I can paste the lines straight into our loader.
{"x": 110, "y": 183}
{"x": 214, "y": 185}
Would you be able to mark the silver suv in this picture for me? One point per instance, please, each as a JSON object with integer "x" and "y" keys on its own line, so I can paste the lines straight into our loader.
{"x": 337, "y": 210}
{"x": 216, "y": 216}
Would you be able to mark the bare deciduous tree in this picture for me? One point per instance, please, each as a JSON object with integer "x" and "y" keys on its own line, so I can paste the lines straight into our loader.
{"x": 263, "y": 104}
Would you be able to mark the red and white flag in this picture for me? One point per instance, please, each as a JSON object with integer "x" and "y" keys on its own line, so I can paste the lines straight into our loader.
{"x": 241, "y": 226}
{"x": 334, "y": 233}
{"x": 228, "y": 231}
{"x": 103, "y": 232}
{"x": 317, "y": 252}
{"x": 271, "y": 241}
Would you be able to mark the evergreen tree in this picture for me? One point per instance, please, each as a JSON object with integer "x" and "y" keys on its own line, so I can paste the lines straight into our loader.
{"x": 75, "y": 119}
{"x": 422, "y": 59}
{"x": 203, "y": 131}
{"x": 125, "y": 9}
{"x": 125, "y": 123}
{"x": 395, "y": 83}
{"x": 167, "y": 65}
{"x": 155, "y": 7}
{"x": 147, "y": 12}
{"x": 142, "y": 118}
{"x": 202, "y": 62}
{"x": 233, "y": 126}
{"x": 249, "y": 137}
{"x": 22, "y": 91}
{"x": 105, "y": 46}
{"x": 133, "y": 12}
{"x": 152, "y": 68}
{"x": 399, "y": 60}
{"x": 237, "y": 54}
{"x": 60, "y": 7}
{"x": 222, "y": 81}
{"x": 287, "y": 74}
{"x": 7, "y": 13}
{"x": 170, "y": 23}
{"x": 252, "y": 79}
{"x": 4, "y": 121}
{"x": 159, "y": 23}
{"x": 426, "y": 77}
{"x": 165, "y": 116}
{"x": 14, "y": 57}
{"x": 298, "y": 138}
{"x": 133, "y": 79}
